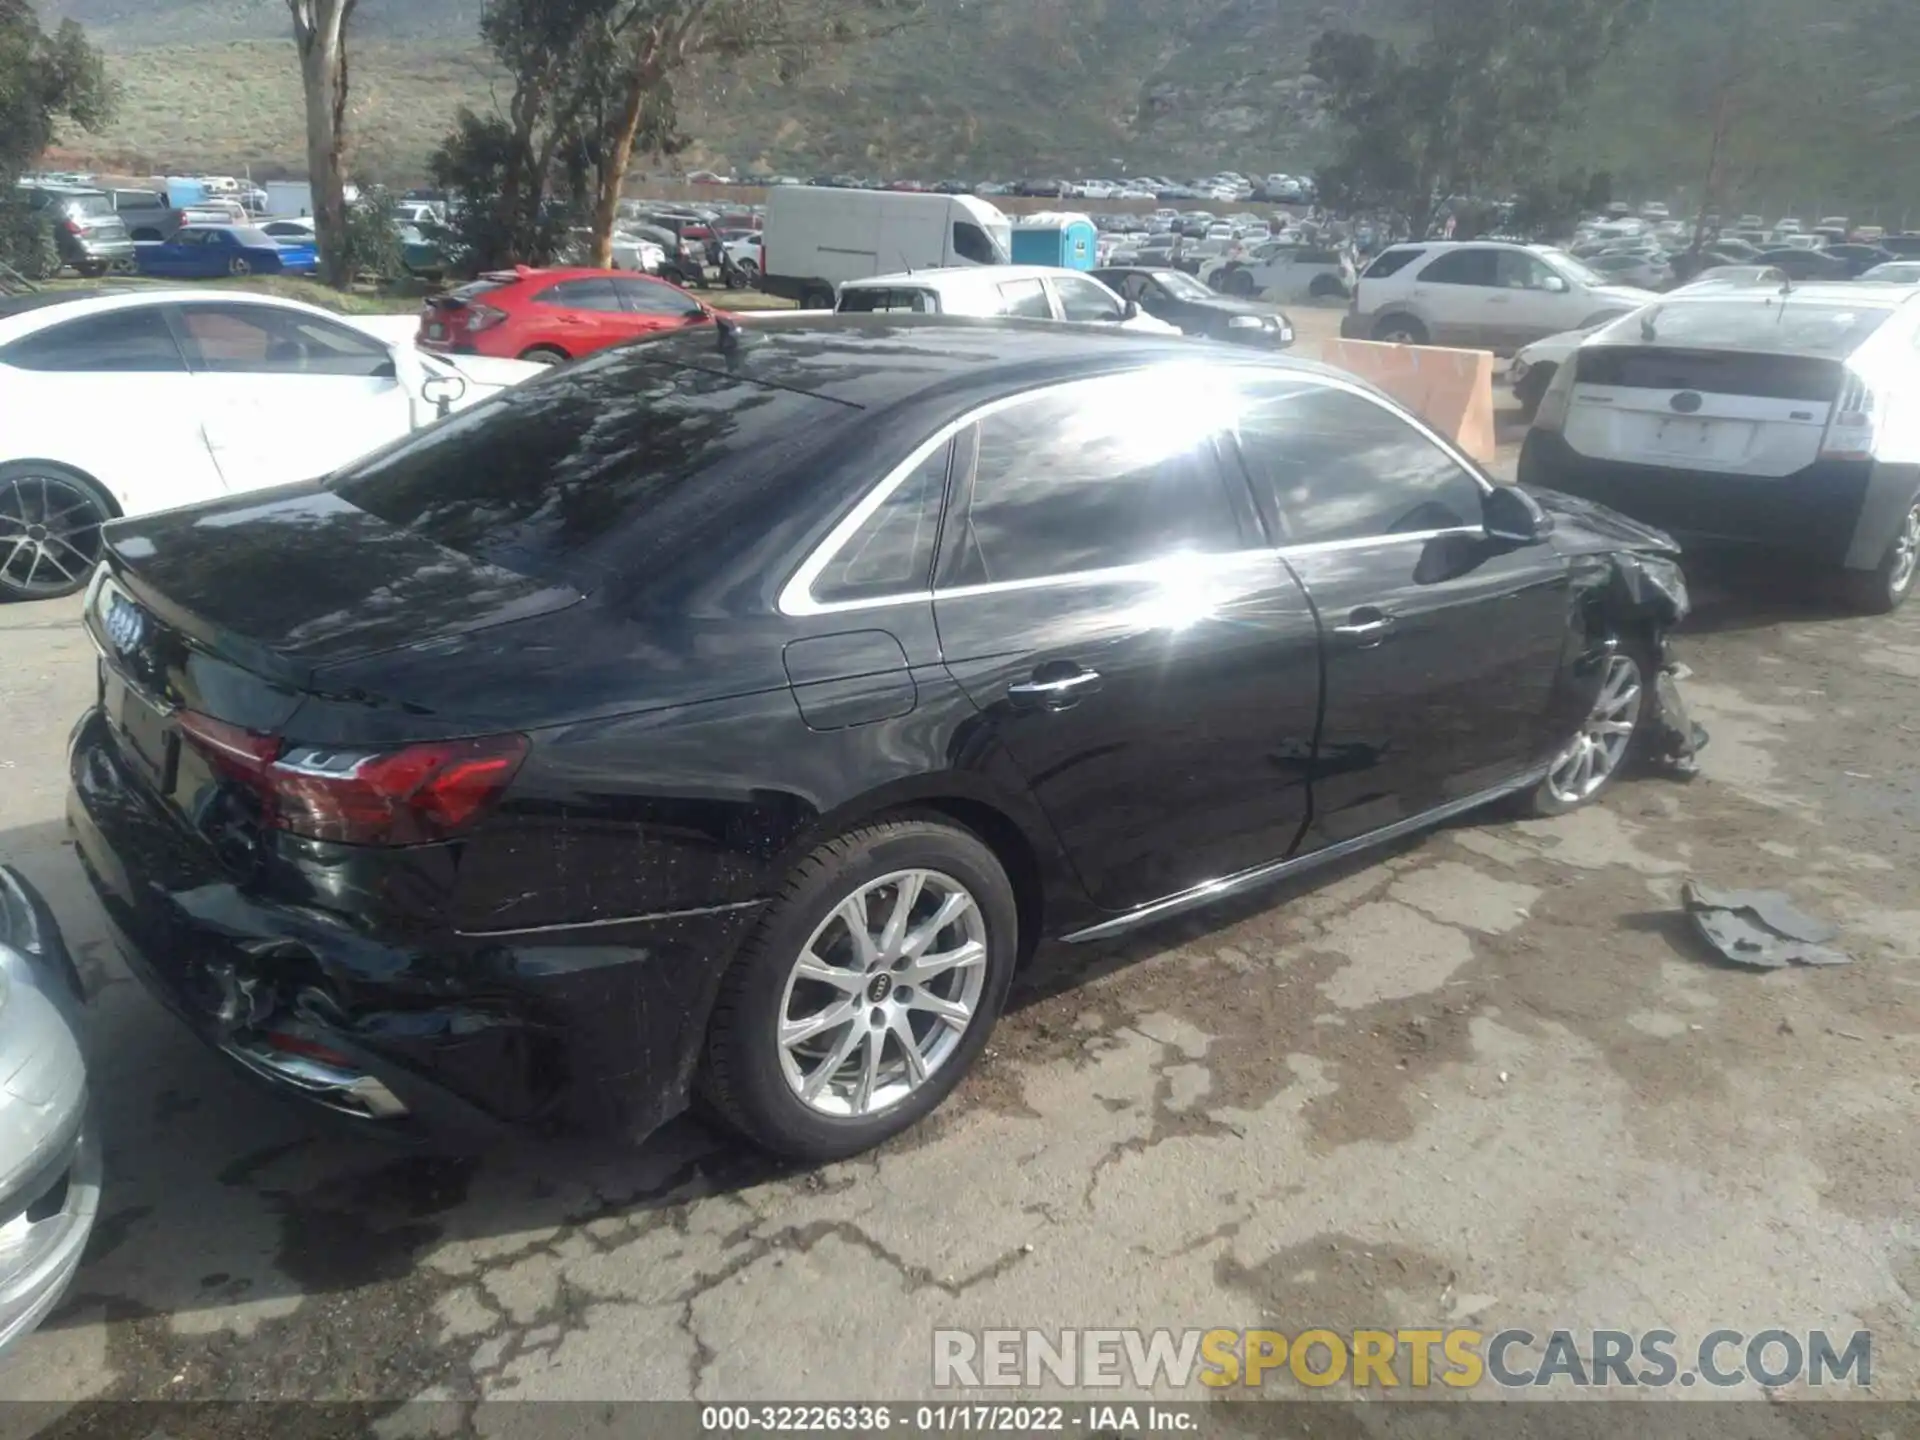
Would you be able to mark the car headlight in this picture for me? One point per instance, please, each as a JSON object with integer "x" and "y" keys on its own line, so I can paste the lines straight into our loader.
{"x": 1246, "y": 322}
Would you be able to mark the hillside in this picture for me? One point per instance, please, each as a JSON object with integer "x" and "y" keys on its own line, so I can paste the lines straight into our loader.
{"x": 1830, "y": 112}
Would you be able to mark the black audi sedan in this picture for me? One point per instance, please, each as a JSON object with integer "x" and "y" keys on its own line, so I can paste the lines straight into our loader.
{"x": 733, "y": 714}
{"x": 1179, "y": 299}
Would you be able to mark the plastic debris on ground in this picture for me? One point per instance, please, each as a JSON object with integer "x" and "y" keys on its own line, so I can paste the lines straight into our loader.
{"x": 1761, "y": 929}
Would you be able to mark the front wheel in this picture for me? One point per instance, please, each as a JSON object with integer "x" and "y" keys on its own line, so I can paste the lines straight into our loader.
{"x": 1596, "y": 755}
{"x": 1884, "y": 589}
{"x": 867, "y": 991}
{"x": 1400, "y": 330}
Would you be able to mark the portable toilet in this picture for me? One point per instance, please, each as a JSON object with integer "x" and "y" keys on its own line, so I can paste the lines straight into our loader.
{"x": 1066, "y": 241}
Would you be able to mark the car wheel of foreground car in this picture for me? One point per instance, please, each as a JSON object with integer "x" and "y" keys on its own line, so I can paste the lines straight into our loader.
{"x": 1595, "y": 756}
{"x": 50, "y": 519}
{"x": 1400, "y": 330}
{"x": 867, "y": 991}
{"x": 544, "y": 355}
{"x": 1885, "y": 588}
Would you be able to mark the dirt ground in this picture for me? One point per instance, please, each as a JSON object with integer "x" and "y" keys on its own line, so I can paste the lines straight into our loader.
{"x": 1486, "y": 1078}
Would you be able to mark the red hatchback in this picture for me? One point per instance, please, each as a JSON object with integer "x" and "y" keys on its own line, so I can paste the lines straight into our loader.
{"x": 553, "y": 316}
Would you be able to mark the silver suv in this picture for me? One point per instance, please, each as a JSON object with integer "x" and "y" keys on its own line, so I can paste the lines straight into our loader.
{"x": 1480, "y": 295}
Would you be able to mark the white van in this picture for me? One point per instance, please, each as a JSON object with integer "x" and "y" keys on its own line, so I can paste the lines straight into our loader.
{"x": 816, "y": 238}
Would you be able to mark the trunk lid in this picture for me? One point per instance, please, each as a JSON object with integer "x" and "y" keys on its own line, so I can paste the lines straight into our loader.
{"x": 1725, "y": 411}
{"x": 288, "y": 581}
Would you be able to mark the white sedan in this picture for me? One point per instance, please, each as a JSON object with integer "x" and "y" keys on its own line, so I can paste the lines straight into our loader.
{"x": 123, "y": 404}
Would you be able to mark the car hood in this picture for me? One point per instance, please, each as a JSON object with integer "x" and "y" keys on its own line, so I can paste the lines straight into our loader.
{"x": 1581, "y": 527}
{"x": 1630, "y": 295}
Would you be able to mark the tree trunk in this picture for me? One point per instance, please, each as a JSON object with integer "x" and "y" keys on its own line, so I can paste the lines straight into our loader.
{"x": 319, "y": 30}
{"x": 613, "y": 175}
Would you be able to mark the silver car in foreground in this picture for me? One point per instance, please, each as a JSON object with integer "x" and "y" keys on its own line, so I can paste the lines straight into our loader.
{"x": 49, "y": 1155}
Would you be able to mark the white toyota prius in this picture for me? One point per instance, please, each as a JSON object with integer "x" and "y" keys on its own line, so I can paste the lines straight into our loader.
{"x": 124, "y": 403}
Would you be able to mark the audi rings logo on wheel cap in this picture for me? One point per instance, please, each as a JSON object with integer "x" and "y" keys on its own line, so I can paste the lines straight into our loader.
{"x": 1687, "y": 402}
{"x": 125, "y": 623}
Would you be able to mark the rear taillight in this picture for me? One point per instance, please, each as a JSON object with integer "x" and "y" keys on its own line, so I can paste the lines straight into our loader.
{"x": 1551, "y": 415}
{"x": 1855, "y": 425}
{"x": 409, "y": 796}
{"x": 73, "y": 227}
{"x": 484, "y": 317}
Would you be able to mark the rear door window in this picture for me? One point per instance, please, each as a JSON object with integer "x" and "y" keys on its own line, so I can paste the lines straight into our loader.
{"x": 123, "y": 342}
{"x": 645, "y": 297}
{"x": 1392, "y": 262}
{"x": 880, "y": 300}
{"x": 1025, "y": 298}
{"x": 1085, "y": 300}
{"x": 1463, "y": 267}
{"x": 596, "y": 295}
{"x": 1088, "y": 477}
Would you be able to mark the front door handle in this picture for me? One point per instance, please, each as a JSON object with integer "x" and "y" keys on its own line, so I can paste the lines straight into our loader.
{"x": 1056, "y": 693}
{"x": 1368, "y": 626}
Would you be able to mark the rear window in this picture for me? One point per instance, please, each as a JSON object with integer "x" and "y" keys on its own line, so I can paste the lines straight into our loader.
{"x": 87, "y": 205}
{"x": 1761, "y": 322}
{"x": 873, "y": 300}
{"x": 1392, "y": 262}
{"x": 612, "y": 466}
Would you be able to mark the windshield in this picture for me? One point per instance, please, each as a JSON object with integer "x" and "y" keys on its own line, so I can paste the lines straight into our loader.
{"x": 1571, "y": 268}
{"x": 1181, "y": 285}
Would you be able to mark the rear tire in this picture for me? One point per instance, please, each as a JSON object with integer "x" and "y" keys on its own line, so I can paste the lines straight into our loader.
{"x": 1325, "y": 287}
{"x": 1885, "y": 588}
{"x": 1400, "y": 330}
{"x": 50, "y": 519}
{"x": 833, "y": 1087}
{"x": 239, "y": 266}
{"x": 1597, "y": 755}
{"x": 91, "y": 269}
{"x": 1239, "y": 283}
{"x": 545, "y": 355}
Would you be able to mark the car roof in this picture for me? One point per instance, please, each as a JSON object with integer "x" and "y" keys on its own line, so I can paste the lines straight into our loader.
{"x": 22, "y": 315}
{"x": 961, "y": 275}
{"x": 875, "y": 361}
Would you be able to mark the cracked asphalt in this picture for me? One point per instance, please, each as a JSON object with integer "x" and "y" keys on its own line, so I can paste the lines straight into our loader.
{"x": 1484, "y": 1077}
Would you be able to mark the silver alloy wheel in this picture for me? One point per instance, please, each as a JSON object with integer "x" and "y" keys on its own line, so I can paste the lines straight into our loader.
{"x": 881, "y": 995}
{"x": 49, "y": 534}
{"x": 1906, "y": 554}
{"x": 1596, "y": 752}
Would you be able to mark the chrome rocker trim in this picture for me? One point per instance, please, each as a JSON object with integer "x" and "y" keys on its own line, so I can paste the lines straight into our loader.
{"x": 1212, "y": 890}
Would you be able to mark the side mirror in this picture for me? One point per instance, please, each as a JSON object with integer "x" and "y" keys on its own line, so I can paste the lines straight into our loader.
{"x": 1512, "y": 515}
{"x": 443, "y": 392}
{"x": 1556, "y": 285}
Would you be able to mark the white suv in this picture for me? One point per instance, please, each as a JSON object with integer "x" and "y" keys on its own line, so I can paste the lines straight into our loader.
{"x": 1480, "y": 295}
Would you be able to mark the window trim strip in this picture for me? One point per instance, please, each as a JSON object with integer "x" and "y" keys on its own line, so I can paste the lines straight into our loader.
{"x": 796, "y": 596}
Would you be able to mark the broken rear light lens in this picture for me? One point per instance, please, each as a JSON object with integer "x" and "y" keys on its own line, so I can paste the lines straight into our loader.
{"x": 483, "y": 317}
{"x": 418, "y": 793}
{"x": 393, "y": 797}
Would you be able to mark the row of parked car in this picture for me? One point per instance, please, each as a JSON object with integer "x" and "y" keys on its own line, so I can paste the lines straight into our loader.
{"x": 986, "y": 601}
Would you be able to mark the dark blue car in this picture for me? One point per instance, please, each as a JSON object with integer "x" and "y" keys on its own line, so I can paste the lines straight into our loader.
{"x": 205, "y": 251}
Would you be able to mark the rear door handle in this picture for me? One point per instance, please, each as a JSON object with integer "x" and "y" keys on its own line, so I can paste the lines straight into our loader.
{"x": 1368, "y": 626}
{"x": 1058, "y": 693}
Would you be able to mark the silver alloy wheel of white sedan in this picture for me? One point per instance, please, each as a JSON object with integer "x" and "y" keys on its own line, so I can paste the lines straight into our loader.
{"x": 1596, "y": 752}
{"x": 882, "y": 993}
{"x": 49, "y": 534}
